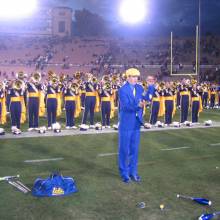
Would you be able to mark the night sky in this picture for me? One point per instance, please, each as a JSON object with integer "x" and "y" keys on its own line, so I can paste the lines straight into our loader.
{"x": 166, "y": 13}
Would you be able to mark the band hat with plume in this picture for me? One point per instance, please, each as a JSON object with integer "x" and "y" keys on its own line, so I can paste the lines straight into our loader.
{"x": 132, "y": 72}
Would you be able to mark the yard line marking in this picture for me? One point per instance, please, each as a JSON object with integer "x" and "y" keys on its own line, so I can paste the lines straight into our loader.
{"x": 107, "y": 154}
{"x": 216, "y": 144}
{"x": 177, "y": 148}
{"x": 43, "y": 160}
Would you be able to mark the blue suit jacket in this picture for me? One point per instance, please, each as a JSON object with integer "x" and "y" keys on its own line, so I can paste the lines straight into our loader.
{"x": 130, "y": 114}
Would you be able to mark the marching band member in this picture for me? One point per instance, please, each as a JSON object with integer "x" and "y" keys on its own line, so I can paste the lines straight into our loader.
{"x": 169, "y": 99}
{"x": 205, "y": 95}
{"x": 91, "y": 100}
{"x": 157, "y": 106}
{"x": 3, "y": 110}
{"x": 196, "y": 103}
{"x": 72, "y": 104}
{"x": 17, "y": 105}
{"x": 36, "y": 104}
{"x": 107, "y": 102}
{"x": 51, "y": 101}
{"x": 184, "y": 91}
{"x": 212, "y": 92}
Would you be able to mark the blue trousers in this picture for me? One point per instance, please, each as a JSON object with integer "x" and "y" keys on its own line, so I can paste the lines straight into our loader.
{"x": 90, "y": 102}
{"x": 33, "y": 112}
{"x": 82, "y": 98}
{"x": 15, "y": 110}
{"x": 195, "y": 111}
{"x": 205, "y": 99}
{"x": 212, "y": 101}
{"x": 70, "y": 110}
{"x": 154, "y": 112}
{"x": 106, "y": 110}
{"x": 184, "y": 108}
{"x": 168, "y": 111}
{"x": 128, "y": 152}
{"x": 51, "y": 111}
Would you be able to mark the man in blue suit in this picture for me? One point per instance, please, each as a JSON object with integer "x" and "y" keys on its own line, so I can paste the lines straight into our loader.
{"x": 131, "y": 99}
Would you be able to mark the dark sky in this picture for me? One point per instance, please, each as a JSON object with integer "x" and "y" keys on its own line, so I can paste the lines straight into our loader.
{"x": 182, "y": 13}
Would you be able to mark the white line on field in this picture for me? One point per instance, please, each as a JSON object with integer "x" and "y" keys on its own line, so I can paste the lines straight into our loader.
{"x": 177, "y": 148}
{"x": 43, "y": 160}
{"x": 216, "y": 144}
{"x": 107, "y": 154}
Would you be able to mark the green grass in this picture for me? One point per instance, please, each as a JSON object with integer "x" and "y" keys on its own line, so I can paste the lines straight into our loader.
{"x": 101, "y": 194}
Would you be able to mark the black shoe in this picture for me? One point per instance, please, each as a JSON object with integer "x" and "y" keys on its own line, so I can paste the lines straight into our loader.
{"x": 126, "y": 180}
{"x": 136, "y": 178}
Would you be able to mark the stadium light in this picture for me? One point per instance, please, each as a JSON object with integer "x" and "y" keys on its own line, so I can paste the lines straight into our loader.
{"x": 11, "y": 9}
{"x": 133, "y": 12}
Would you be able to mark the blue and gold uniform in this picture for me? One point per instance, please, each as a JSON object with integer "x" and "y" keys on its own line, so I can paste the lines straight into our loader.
{"x": 72, "y": 104}
{"x": 196, "y": 104}
{"x": 184, "y": 91}
{"x": 34, "y": 100}
{"x": 157, "y": 106}
{"x": 52, "y": 104}
{"x": 107, "y": 103}
{"x": 17, "y": 105}
{"x": 170, "y": 107}
{"x": 205, "y": 96}
{"x": 91, "y": 101}
{"x": 212, "y": 94}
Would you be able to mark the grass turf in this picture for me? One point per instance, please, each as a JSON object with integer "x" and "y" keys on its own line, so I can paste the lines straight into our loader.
{"x": 102, "y": 195}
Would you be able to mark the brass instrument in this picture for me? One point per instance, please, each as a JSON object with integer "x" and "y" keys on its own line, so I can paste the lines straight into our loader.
{"x": 18, "y": 84}
{"x": 161, "y": 85}
{"x": 124, "y": 76}
{"x": 107, "y": 86}
{"x": 144, "y": 84}
{"x": 36, "y": 77}
{"x": 74, "y": 87}
{"x": 21, "y": 75}
{"x": 114, "y": 78}
{"x": 94, "y": 79}
{"x": 54, "y": 81}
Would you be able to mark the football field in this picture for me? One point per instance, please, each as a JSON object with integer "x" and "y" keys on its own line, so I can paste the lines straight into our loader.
{"x": 171, "y": 162}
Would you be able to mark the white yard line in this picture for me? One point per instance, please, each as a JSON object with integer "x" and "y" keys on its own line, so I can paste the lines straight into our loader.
{"x": 43, "y": 160}
{"x": 216, "y": 144}
{"x": 177, "y": 148}
{"x": 107, "y": 154}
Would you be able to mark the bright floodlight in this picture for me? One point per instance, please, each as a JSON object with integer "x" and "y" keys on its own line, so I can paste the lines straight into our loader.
{"x": 133, "y": 11}
{"x": 10, "y": 9}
